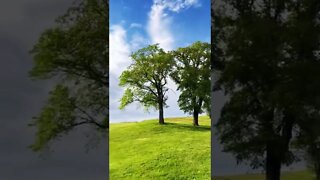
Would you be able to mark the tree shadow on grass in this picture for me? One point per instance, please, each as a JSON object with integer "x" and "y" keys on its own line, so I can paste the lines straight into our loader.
{"x": 187, "y": 126}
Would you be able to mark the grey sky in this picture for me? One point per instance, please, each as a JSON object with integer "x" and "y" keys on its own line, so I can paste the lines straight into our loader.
{"x": 21, "y": 22}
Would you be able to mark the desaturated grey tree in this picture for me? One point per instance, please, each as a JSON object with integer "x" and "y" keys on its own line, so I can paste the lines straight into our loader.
{"x": 74, "y": 54}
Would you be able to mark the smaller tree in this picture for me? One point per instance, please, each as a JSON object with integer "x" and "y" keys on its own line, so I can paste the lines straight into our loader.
{"x": 146, "y": 79}
{"x": 192, "y": 74}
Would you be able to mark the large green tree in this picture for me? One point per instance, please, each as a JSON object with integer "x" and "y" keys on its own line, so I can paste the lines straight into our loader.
{"x": 270, "y": 71}
{"x": 74, "y": 54}
{"x": 146, "y": 79}
{"x": 192, "y": 75}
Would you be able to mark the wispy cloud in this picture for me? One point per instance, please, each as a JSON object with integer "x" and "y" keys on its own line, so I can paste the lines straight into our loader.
{"x": 159, "y": 22}
{"x": 159, "y": 27}
{"x": 135, "y": 25}
{"x": 138, "y": 41}
{"x": 119, "y": 50}
{"x": 119, "y": 60}
{"x": 177, "y": 5}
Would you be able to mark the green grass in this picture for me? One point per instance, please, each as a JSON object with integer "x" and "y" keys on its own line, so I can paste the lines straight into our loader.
{"x": 146, "y": 150}
{"x": 296, "y": 175}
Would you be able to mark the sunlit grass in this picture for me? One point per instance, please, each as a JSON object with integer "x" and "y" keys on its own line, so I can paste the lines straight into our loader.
{"x": 147, "y": 150}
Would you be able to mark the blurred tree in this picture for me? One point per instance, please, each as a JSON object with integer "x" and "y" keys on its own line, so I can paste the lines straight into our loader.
{"x": 303, "y": 46}
{"x": 74, "y": 53}
{"x": 270, "y": 71}
{"x": 192, "y": 75}
{"x": 146, "y": 79}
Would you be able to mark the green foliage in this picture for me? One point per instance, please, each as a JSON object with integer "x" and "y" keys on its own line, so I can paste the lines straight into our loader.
{"x": 77, "y": 47}
{"x": 182, "y": 151}
{"x": 192, "y": 74}
{"x": 56, "y": 117}
{"x": 127, "y": 98}
{"x": 270, "y": 70}
{"x": 74, "y": 53}
{"x": 146, "y": 78}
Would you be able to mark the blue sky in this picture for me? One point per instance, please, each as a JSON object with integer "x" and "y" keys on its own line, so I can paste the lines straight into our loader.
{"x": 137, "y": 23}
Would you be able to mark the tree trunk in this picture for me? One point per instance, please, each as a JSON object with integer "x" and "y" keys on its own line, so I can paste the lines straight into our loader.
{"x": 161, "y": 118}
{"x": 273, "y": 165}
{"x": 316, "y": 166}
{"x": 196, "y": 111}
{"x": 195, "y": 117}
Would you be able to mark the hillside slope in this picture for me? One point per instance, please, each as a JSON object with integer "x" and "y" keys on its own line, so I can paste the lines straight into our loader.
{"x": 147, "y": 150}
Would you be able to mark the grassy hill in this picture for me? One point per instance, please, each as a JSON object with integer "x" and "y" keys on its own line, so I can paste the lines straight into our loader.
{"x": 298, "y": 175}
{"x": 146, "y": 150}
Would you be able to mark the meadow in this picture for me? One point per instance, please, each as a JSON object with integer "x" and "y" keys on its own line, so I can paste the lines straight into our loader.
{"x": 147, "y": 150}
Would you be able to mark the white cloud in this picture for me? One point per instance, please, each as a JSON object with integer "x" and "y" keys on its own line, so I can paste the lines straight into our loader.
{"x": 138, "y": 41}
{"x": 135, "y": 25}
{"x": 177, "y": 5}
{"x": 119, "y": 50}
{"x": 159, "y": 27}
{"x": 159, "y": 22}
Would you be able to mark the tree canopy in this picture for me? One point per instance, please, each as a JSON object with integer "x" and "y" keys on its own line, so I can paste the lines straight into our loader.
{"x": 192, "y": 75}
{"x": 146, "y": 79}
